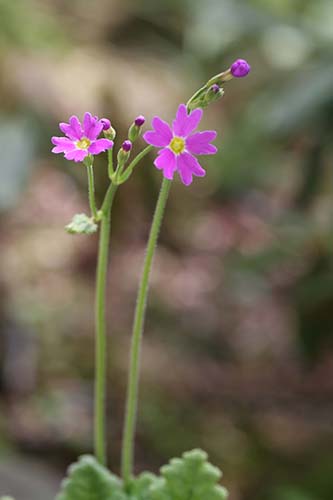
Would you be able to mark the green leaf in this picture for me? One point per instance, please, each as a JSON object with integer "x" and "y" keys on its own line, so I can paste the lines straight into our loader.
{"x": 81, "y": 224}
{"x": 88, "y": 480}
{"x": 189, "y": 478}
{"x": 141, "y": 486}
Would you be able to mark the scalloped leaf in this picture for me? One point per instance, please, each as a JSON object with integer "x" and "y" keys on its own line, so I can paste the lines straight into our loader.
{"x": 81, "y": 224}
{"x": 88, "y": 480}
{"x": 141, "y": 486}
{"x": 191, "y": 477}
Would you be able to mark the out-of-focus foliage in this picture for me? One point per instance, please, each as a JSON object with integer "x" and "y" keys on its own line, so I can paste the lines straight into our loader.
{"x": 88, "y": 479}
{"x": 237, "y": 354}
{"x": 191, "y": 477}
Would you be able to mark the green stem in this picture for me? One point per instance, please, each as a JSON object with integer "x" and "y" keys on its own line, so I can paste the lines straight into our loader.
{"x": 91, "y": 191}
{"x": 100, "y": 326}
{"x": 196, "y": 95}
{"x": 133, "y": 379}
{"x": 139, "y": 157}
{"x": 110, "y": 162}
{"x": 123, "y": 174}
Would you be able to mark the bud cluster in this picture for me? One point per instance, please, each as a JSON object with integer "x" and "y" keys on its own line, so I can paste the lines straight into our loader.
{"x": 213, "y": 90}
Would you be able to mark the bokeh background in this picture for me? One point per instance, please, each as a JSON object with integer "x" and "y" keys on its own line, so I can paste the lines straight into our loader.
{"x": 237, "y": 354}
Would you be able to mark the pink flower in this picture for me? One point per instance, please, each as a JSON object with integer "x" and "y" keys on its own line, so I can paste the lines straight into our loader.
{"x": 82, "y": 139}
{"x": 179, "y": 144}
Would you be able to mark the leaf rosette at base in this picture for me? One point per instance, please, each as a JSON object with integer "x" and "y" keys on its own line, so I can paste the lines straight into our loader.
{"x": 191, "y": 477}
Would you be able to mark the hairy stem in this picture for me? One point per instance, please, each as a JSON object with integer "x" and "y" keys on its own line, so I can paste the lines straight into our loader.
{"x": 133, "y": 379}
{"x": 110, "y": 162}
{"x": 100, "y": 328}
{"x": 91, "y": 191}
{"x": 139, "y": 157}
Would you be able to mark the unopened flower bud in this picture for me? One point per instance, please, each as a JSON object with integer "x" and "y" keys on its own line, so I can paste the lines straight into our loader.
{"x": 213, "y": 94}
{"x": 135, "y": 129}
{"x": 126, "y": 146}
{"x": 240, "y": 68}
{"x": 124, "y": 152}
{"x": 215, "y": 88}
{"x": 110, "y": 133}
{"x": 106, "y": 123}
{"x": 139, "y": 120}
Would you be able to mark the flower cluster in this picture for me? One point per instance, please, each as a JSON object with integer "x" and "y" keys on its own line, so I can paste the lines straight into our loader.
{"x": 82, "y": 139}
{"x": 179, "y": 144}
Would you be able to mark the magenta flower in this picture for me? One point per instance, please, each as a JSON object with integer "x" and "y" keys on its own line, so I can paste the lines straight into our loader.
{"x": 81, "y": 140}
{"x": 179, "y": 144}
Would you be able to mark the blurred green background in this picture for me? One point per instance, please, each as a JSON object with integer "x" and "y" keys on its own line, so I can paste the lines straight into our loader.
{"x": 237, "y": 354}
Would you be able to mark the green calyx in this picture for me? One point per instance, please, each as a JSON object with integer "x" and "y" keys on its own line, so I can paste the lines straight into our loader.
{"x": 134, "y": 132}
{"x": 110, "y": 133}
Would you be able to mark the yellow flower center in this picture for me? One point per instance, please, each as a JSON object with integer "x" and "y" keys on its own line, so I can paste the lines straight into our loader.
{"x": 177, "y": 145}
{"x": 83, "y": 143}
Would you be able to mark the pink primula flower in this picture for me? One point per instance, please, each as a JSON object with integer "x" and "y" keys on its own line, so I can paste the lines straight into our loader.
{"x": 81, "y": 140}
{"x": 179, "y": 144}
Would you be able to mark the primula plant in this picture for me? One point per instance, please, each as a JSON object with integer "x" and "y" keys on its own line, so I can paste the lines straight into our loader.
{"x": 178, "y": 145}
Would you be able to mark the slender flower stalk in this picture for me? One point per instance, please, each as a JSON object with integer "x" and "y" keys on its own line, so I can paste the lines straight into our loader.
{"x": 128, "y": 171}
{"x": 100, "y": 327}
{"x": 91, "y": 191}
{"x": 81, "y": 143}
{"x": 178, "y": 147}
{"x": 110, "y": 163}
{"x": 133, "y": 380}
{"x": 134, "y": 370}
{"x": 100, "y": 319}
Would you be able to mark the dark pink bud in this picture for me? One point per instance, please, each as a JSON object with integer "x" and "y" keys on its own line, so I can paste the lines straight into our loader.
{"x": 139, "y": 120}
{"x": 240, "y": 68}
{"x": 126, "y": 146}
{"x": 106, "y": 123}
{"x": 215, "y": 88}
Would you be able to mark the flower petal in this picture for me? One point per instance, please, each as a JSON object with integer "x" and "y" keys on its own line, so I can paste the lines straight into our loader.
{"x": 92, "y": 127}
{"x": 76, "y": 155}
{"x": 75, "y": 130}
{"x": 162, "y": 128}
{"x": 100, "y": 145}
{"x": 62, "y": 144}
{"x": 155, "y": 139}
{"x": 68, "y": 130}
{"x": 166, "y": 161}
{"x": 199, "y": 143}
{"x": 188, "y": 166}
{"x": 184, "y": 124}
{"x": 180, "y": 121}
